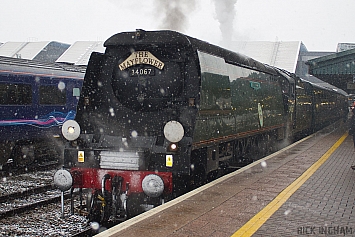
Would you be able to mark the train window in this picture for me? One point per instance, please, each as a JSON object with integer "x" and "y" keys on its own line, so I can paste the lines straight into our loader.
{"x": 76, "y": 91}
{"x": 215, "y": 92}
{"x": 51, "y": 95}
{"x": 15, "y": 94}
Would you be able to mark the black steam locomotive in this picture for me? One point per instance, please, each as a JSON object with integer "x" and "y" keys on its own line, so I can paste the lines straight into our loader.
{"x": 161, "y": 110}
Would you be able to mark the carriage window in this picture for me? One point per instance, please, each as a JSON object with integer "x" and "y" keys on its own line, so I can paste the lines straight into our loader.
{"x": 76, "y": 91}
{"x": 15, "y": 94}
{"x": 51, "y": 95}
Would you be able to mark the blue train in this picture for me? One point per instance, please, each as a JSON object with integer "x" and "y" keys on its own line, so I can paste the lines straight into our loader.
{"x": 35, "y": 99}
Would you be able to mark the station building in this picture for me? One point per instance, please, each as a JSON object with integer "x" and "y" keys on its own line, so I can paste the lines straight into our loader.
{"x": 328, "y": 69}
{"x": 337, "y": 69}
{"x": 289, "y": 55}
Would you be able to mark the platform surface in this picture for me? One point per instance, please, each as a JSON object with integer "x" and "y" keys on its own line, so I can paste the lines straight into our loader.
{"x": 306, "y": 189}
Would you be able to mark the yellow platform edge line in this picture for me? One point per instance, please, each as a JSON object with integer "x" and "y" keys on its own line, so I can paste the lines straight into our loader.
{"x": 261, "y": 217}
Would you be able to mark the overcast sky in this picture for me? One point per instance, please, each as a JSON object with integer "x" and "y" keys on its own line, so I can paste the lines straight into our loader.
{"x": 319, "y": 24}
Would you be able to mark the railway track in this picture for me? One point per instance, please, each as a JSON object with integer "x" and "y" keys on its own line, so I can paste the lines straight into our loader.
{"x": 30, "y": 206}
{"x": 25, "y": 193}
{"x": 38, "y": 212}
{"x": 14, "y": 206}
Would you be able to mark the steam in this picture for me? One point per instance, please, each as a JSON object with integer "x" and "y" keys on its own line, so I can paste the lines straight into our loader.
{"x": 175, "y": 13}
{"x": 225, "y": 11}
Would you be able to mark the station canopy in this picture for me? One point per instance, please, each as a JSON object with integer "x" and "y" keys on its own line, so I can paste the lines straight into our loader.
{"x": 279, "y": 54}
{"x": 79, "y": 52}
{"x": 48, "y": 51}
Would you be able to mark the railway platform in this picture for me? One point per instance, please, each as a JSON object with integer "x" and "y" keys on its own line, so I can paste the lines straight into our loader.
{"x": 305, "y": 189}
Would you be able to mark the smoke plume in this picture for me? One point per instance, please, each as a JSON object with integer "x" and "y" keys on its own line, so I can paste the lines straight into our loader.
{"x": 225, "y": 11}
{"x": 175, "y": 13}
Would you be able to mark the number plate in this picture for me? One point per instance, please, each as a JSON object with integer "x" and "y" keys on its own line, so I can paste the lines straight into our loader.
{"x": 145, "y": 71}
